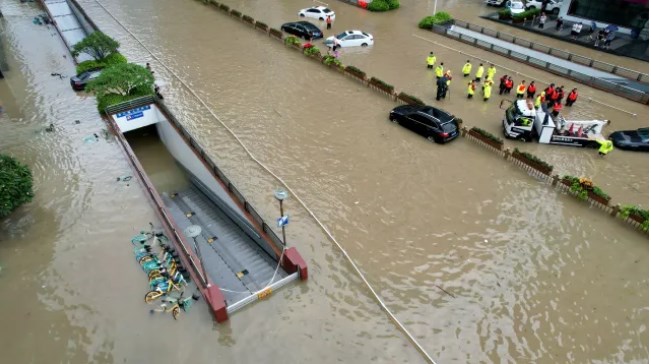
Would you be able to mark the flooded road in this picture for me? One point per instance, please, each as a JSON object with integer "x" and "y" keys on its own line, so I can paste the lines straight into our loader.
{"x": 526, "y": 268}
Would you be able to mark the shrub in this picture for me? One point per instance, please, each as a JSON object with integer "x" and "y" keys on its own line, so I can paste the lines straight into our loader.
{"x": 382, "y": 84}
{"x": 581, "y": 186}
{"x": 236, "y": 13}
{"x": 534, "y": 159}
{"x": 248, "y": 19}
{"x": 261, "y": 25}
{"x": 330, "y": 60}
{"x": 89, "y": 65}
{"x": 356, "y": 71}
{"x": 378, "y": 5}
{"x": 441, "y": 17}
{"x": 628, "y": 210}
{"x": 412, "y": 100}
{"x": 292, "y": 40}
{"x": 488, "y": 135}
{"x": 15, "y": 184}
{"x": 224, "y": 7}
{"x": 393, "y": 4}
{"x": 110, "y": 60}
{"x": 504, "y": 14}
{"x": 113, "y": 59}
{"x": 311, "y": 51}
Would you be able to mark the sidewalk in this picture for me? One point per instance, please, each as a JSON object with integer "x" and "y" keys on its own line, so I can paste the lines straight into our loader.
{"x": 577, "y": 68}
{"x": 623, "y": 45}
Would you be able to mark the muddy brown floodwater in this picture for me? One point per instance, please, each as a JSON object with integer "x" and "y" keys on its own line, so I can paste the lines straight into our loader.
{"x": 533, "y": 275}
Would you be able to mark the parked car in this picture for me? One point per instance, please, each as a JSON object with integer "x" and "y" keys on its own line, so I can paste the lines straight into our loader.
{"x": 631, "y": 139}
{"x": 302, "y": 29}
{"x": 515, "y": 6}
{"x": 553, "y": 6}
{"x": 495, "y": 2}
{"x": 317, "y": 12}
{"x": 80, "y": 81}
{"x": 351, "y": 38}
{"x": 434, "y": 124}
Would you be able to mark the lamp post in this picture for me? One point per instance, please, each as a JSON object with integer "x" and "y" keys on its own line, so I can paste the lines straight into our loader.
{"x": 193, "y": 231}
{"x": 435, "y": 3}
{"x": 281, "y": 195}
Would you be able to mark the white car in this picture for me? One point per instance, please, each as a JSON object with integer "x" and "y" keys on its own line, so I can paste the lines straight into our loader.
{"x": 495, "y": 2}
{"x": 515, "y": 6}
{"x": 317, "y": 12}
{"x": 553, "y": 6}
{"x": 351, "y": 38}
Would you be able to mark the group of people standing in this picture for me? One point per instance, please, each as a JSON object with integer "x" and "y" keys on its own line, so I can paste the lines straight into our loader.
{"x": 551, "y": 97}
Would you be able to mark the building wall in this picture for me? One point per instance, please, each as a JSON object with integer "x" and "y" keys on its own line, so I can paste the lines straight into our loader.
{"x": 623, "y": 13}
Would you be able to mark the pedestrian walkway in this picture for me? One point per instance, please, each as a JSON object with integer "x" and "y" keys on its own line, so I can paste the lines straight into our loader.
{"x": 615, "y": 84}
{"x": 67, "y": 24}
{"x": 622, "y": 45}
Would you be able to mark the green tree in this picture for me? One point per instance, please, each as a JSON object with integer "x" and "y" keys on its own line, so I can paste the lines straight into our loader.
{"x": 15, "y": 184}
{"x": 123, "y": 79}
{"x": 97, "y": 45}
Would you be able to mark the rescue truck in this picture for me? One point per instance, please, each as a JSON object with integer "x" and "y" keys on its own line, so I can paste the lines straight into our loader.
{"x": 522, "y": 121}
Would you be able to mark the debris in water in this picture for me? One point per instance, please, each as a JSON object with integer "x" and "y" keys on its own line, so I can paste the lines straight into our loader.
{"x": 89, "y": 139}
{"x": 77, "y": 122}
{"x": 485, "y": 240}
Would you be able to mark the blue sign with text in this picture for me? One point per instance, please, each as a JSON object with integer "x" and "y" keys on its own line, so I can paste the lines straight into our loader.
{"x": 136, "y": 111}
{"x": 135, "y": 116}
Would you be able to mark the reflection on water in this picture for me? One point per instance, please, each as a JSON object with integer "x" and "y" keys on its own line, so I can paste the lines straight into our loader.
{"x": 479, "y": 262}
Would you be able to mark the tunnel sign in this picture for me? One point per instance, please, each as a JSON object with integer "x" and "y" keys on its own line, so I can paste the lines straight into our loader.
{"x": 133, "y": 113}
{"x": 282, "y": 221}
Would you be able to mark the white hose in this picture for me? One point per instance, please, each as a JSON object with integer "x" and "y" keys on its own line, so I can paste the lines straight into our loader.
{"x": 323, "y": 227}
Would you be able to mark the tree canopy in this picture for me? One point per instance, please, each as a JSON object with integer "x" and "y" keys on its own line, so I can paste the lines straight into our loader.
{"x": 123, "y": 79}
{"x": 15, "y": 184}
{"x": 97, "y": 45}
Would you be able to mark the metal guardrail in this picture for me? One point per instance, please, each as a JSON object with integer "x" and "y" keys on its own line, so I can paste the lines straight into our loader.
{"x": 585, "y": 61}
{"x": 131, "y": 104}
{"x": 612, "y": 87}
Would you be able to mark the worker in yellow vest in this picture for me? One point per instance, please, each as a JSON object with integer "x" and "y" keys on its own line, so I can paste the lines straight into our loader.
{"x": 605, "y": 146}
{"x": 439, "y": 71}
{"x": 522, "y": 88}
{"x": 480, "y": 73}
{"x": 488, "y": 87}
{"x": 539, "y": 100}
{"x": 466, "y": 68}
{"x": 491, "y": 72}
{"x": 431, "y": 60}
{"x": 471, "y": 89}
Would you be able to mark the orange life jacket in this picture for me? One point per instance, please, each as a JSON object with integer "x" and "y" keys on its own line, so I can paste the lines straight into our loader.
{"x": 572, "y": 96}
{"x": 557, "y": 106}
{"x": 521, "y": 88}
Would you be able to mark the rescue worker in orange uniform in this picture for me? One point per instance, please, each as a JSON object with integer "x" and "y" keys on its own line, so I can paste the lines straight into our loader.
{"x": 571, "y": 97}
{"x": 557, "y": 108}
{"x": 531, "y": 90}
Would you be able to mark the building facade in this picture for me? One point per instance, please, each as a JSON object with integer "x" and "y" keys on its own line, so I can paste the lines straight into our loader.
{"x": 628, "y": 15}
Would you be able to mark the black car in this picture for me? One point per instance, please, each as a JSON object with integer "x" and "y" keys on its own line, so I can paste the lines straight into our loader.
{"x": 302, "y": 29}
{"x": 631, "y": 139}
{"x": 80, "y": 81}
{"x": 434, "y": 124}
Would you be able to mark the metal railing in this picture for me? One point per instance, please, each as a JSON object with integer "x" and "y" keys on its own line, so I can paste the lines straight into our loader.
{"x": 612, "y": 87}
{"x": 575, "y": 58}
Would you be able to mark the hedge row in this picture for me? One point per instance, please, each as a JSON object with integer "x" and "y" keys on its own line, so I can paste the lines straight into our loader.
{"x": 487, "y": 135}
{"x": 441, "y": 17}
{"x": 383, "y": 5}
{"x": 110, "y": 60}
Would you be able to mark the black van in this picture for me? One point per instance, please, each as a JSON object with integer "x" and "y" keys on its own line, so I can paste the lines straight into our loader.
{"x": 434, "y": 124}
